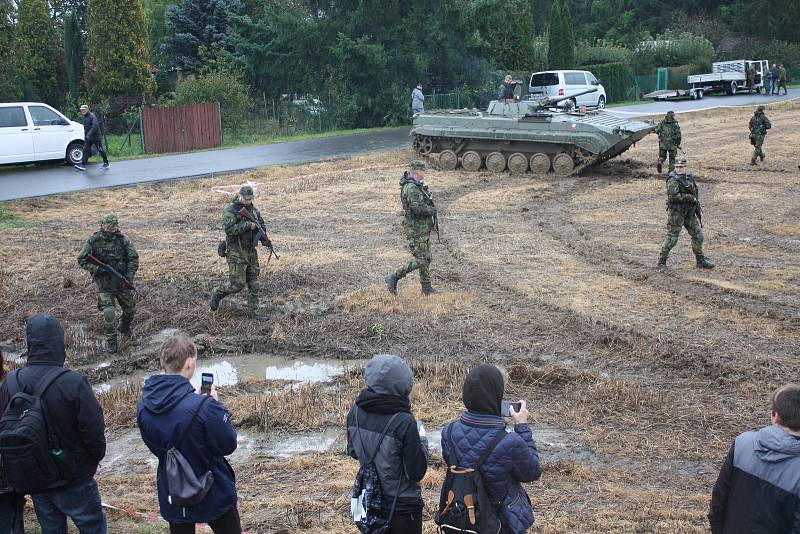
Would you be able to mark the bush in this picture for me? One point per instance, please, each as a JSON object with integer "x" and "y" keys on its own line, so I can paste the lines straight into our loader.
{"x": 600, "y": 55}
{"x": 219, "y": 86}
{"x": 617, "y": 79}
{"x": 671, "y": 50}
{"x": 781, "y": 52}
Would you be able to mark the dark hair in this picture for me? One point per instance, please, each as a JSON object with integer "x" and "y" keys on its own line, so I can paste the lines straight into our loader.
{"x": 785, "y": 402}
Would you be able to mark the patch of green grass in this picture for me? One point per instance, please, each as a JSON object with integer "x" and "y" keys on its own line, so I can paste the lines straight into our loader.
{"x": 9, "y": 221}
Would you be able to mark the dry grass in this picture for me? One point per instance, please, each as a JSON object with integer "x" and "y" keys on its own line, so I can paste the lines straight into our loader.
{"x": 652, "y": 373}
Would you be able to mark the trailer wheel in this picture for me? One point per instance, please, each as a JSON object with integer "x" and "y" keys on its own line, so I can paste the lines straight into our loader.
{"x": 698, "y": 95}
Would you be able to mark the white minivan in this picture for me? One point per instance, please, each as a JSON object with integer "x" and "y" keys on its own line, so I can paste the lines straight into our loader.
{"x": 556, "y": 83}
{"x": 32, "y": 131}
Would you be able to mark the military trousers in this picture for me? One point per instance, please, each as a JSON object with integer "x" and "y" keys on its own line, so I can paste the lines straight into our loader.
{"x": 682, "y": 218}
{"x": 757, "y": 141}
{"x": 662, "y": 156}
{"x": 420, "y": 246}
{"x": 241, "y": 274}
{"x": 106, "y": 303}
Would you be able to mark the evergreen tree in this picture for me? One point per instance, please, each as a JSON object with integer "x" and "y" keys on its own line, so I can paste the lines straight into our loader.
{"x": 73, "y": 53}
{"x": 555, "y": 50}
{"x": 196, "y": 24}
{"x": 10, "y": 89}
{"x": 41, "y": 53}
{"x": 117, "y": 60}
{"x": 568, "y": 37}
{"x": 156, "y": 29}
{"x": 507, "y": 30}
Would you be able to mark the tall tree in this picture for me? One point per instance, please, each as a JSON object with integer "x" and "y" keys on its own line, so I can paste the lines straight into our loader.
{"x": 555, "y": 51}
{"x": 117, "y": 60}
{"x": 195, "y": 24}
{"x": 10, "y": 88}
{"x": 154, "y": 11}
{"x": 41, "y": 52}
{"x": 567, "y": 37}
{"x": 73, "y": 52}
{"x": 507, "y": 30}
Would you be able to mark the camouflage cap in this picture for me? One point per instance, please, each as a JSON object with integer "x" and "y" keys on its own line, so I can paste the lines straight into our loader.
{"x": 681, "y": 162}
{"x": 670, "y": 113}
{"x": 246, "y": 192}
{"x": 110, "y": 222}
{"x": 417, "y": 165}
{"x": 760, "y": 108}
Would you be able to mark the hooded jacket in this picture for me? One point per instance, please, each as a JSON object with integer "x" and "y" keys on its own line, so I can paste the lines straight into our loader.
{"x": 758, "y": 489}
{"x": 72, "y": 411}
{"x": 166, "y": 407}
{"x": 514, "y": 459}
{"x": 402, "y": 452}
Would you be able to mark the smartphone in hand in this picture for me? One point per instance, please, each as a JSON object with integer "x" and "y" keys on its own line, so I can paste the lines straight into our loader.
{"x": 505, "y": 408}
{"x": 205, "y": 383}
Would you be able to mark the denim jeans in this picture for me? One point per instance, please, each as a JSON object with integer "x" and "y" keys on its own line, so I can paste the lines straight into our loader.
{"x": 773, "y": 84}
{"x": 80, "y": 502}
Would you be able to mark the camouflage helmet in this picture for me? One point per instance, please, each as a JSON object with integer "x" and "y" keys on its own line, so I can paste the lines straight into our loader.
{"x": 670, "y": 113}
{"x": 760, "y": 109}
{"x": 246, "y": 192}
{"x": 417, "y": 165}
{"x": 110, "y": 223}
{"x": 680, "y": 162}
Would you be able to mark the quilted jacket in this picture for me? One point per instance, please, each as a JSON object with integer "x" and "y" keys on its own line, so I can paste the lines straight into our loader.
{"x": 514, "y": 460}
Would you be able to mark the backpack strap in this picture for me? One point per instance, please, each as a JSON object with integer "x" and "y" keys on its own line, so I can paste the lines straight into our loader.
{"x": 191, "y": 423}
{"x": 490, "y": 448}
{"x": 41, "y": 386}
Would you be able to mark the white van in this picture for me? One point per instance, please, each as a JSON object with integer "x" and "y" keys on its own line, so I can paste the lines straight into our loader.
{"x": 555, "y": 83}
{"x": 32, "y": 131}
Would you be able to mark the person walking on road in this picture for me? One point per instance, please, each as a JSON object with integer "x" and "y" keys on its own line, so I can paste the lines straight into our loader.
{"x": 91, "y": 137}
{"x": 683, "y": 208}
{"x": 759, "y": 124}
{"x": 751, "y": 77}
{"x": 782, "y": 80}
{"x": 417, "y": 100}
{"x": 774, "y": 73}
{"x": 112, "y": 248}
{"x": 420, "y": 219}
{"x": 669, "y": 141}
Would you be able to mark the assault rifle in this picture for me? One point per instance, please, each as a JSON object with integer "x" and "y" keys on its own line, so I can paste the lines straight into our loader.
{"x": 261, "y": 235}
{"x": 123, "y": 280}
{"x": 696, "y": 208}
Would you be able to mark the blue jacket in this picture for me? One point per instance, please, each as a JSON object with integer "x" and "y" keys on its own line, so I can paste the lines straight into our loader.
{"x": 166, "y": 407}
{"x": 514, "y": 460}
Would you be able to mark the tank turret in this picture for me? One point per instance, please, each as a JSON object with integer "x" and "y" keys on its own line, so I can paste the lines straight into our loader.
{"x": 547, "y": 102}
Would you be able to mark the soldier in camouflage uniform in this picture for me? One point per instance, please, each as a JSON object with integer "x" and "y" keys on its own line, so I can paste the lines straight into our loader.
{"x": 759, "y": 124}
{"x": 419, "y": 214}
{"x": 683, "y": 208}
{"x": 243, "y": 268}
{"x": 111, "y": 247}
{"x": 669, "y": 140}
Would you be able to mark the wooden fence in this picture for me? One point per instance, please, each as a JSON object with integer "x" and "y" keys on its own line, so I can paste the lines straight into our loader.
{"x": 181, "y": 128}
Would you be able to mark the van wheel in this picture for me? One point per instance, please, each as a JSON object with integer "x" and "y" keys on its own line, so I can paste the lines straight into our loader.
{"x": 601, "y": 102}
{"x": 75, "y": 153}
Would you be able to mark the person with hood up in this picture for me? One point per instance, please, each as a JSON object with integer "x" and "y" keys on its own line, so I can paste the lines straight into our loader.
{"x": 514, "y": 459}
{"x": 168, "y": 405}
{"x": 76, "y": 422}
{"x": 758, "y": 489}
{"x": 402, "y": 458}
{"x": 12, "y": 504}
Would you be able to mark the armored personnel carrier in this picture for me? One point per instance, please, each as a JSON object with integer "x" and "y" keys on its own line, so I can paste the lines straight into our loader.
{"x": 522, "y": 135}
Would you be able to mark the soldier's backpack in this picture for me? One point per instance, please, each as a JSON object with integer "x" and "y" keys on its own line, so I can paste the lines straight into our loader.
{"x": 27, "y": 447}
{"x": 464, "y": 505}
{"x": 368, "y": 497}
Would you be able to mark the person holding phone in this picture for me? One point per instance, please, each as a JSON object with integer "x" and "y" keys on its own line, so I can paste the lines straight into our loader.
{"x": 514, "y": 458}
{"x": 168, "y": 405}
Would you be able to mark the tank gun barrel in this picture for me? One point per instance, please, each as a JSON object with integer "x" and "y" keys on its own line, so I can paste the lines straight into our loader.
{"x": 546, "y": 101}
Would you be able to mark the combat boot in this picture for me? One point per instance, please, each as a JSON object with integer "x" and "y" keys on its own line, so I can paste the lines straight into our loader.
{"x": 753, "y": 161}
{"x": 391, "y": 283}
{"x": 426, "y": 291}
{"x": 214, "y": 302}
{"x": 112, "y": 347}
{"x": 660, "y": 166}
{"x": 762, "y": 156}
{"x": 703, "y": 263}
{"x": 662, "y": 263}
{"x": 124, "y": 329}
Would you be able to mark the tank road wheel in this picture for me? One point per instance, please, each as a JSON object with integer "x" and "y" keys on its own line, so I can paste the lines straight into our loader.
{"x": 496, "y": 162}
{"x": 540, "y": 163}
{"x": 424, "y": 145}
{"x": 517, "y": 163}
{"x": 471, "y": 161}
{"x": 563, "y": 164}
{"x": 448, "y": 160}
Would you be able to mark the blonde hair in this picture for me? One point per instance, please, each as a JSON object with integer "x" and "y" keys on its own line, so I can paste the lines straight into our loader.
{"x": 175, "y": 351}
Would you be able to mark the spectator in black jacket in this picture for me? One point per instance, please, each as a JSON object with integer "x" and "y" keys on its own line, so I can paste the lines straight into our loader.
{"x": 91, "y": 137}
{"x": 402, "y": 458}
{"x": 758, "y": 489}
{"x": 76, "y": 421}
{"x": 12, "y": 504}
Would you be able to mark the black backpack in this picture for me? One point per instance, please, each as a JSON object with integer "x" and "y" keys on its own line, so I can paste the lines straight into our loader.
{"x": 183, "y": 486}
{"x": 464, "y": 505}
{"x": 368, "y": 496}
{"x": 27, "y": 447}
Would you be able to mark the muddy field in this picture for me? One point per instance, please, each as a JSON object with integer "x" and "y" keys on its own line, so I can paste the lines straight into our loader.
{"x": 637, "y": 380}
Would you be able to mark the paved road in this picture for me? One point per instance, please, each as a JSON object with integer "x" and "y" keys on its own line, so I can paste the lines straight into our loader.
{"x": 52, "y": 179}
